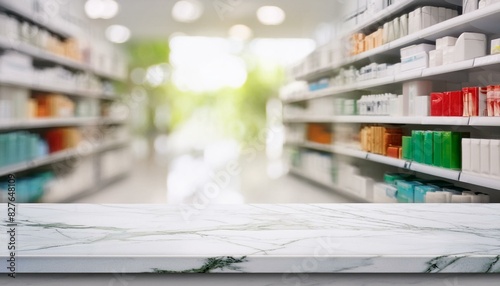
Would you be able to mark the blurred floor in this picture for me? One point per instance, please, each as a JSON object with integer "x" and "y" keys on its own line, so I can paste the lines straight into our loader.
{"x": 147, "y": 183}
{"x": 197, "y": 165}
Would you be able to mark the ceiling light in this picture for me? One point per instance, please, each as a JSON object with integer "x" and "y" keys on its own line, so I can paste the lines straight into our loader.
{"x": 271, "y": 15}
{"x": 187, "y": 11}
{"x": 117, "y": 34}
{"x": 93, "y": 8}
{"x": 110, "y": 9}
{"x": 240, "y": 32}
{"x": 104, "y": 9}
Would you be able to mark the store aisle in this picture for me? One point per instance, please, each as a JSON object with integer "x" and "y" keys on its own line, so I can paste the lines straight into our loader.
{"x": 147, "y": 184}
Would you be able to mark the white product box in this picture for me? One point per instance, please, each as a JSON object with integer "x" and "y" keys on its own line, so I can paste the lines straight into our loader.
{"x": 417, "y": 61}
{"x": 14, "y": 102}
{"x": 390, "y": 32}
{"x": 435, "y": 58}
{"x": 426, "y": 17}
{"x": 349, "y": 107}
{"x": 495, "y": 46}
{"x": 417, "y": 21}
{"x": 385, "y": 34}
{"x": 445, "y": 42}
{"x": 396, "y": 68}
{"x": 413, "y": 89}
{"x": 380, "y": 194}
{"x": 449, "y": 195}
{"x": 436, "y": 197}
{"x": 459, "y": 199}
{"x": 466, "y": 155}
{"x": 337, "y": 106}
{"x": 483, "y": 101}
{"x": 475, "y": 147}
{"x": 448, "y": 55}
{"x": 415, "y": 49}
{"x": 469, "y": 6}
{"x": 390, "y": 70}
{"x": 495, "y": 158}
{"x": 434, "y": 15}
{"x": 449, "y": 14}
{"x": 441, "y": 14}
{"x": 485, "y": 199}
{"x": 470, "y": 46}
{"x": 397, "y": 28}
{"x": 485, "y": 156}
{"x": 411, "y": 22}
{"x": 475, "y": 199}
{"x": 363, "y": 187}
{"x": 382, "y": 70}
{"x": 5, "y": 108}
{"x": 422, "y": 106}
{"x": 397, "y": 106}
{"x": 403, "y": 22}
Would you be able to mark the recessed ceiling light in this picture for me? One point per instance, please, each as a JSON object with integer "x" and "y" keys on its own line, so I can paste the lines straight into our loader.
{"x": 117, "y": 34}
{"x": 271, "y": 15}
{"x": 101, "y": 9}
{"x": 240, "y": 32}
{"x": 187, "y": 11}
{"x": 110, "y": 9}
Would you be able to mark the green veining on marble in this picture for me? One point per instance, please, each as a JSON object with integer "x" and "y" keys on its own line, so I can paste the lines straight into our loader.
{"x": 210, "y": 264}
{"x": 441, "y": 262}
{"x": 493, "y": 264}
{"x": 67, "y": 226}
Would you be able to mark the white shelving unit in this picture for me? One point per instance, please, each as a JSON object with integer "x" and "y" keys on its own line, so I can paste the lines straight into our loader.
{"x": 330, "y": 185}
{"x": 476, "y": 21}
{"x": 57, "y": 122}
{"x": 40, "y": 54}
{"x": 59, "y": 156}
{"x": 393, "y": 10}
{"x": 435, "y": 171}
{"x": 455, "y": 175}
{"x": 490, "y": 61}
{"x": 479, "y": 180}
{"x": 48, "y": 23}
{"x": 484, "y": 20}
{"x": 48, "y": 87}
{"x": 90, "y": 149}
{"x": 411, "y": 120}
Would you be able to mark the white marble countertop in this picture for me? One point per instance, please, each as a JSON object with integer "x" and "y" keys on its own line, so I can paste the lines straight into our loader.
{"x": 322, "y": 238}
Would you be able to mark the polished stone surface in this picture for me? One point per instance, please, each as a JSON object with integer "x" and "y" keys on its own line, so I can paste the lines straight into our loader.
{"x": 321, "y": 238}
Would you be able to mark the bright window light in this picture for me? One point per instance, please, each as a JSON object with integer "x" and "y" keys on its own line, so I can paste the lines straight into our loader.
{"x": 187, "y": 11}
{"x": 101, "y": 9}
{"x": 157, "y": 74}
{"x": 117, "y": 34}
{"x": 240, "y": 32}
{"x": 278, "y": 51}
{"x": 271, "y": 15}
{"x": 211, "y": 74}
{"x": 205, "y": 64}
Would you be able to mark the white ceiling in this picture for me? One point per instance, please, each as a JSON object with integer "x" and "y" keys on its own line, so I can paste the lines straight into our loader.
{"x": 152, "y": 18}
